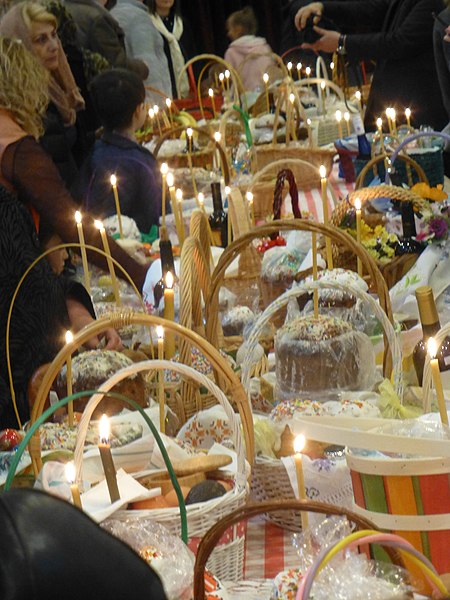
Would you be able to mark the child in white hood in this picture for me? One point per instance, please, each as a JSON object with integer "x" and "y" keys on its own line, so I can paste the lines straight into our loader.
{"x": 251, "y": 56}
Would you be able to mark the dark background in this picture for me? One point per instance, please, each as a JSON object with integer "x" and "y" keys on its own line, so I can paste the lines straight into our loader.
{"x": 207, "y": 21}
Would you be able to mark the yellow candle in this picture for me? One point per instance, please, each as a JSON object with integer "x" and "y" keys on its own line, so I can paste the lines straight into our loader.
{"x": 229, "y": 230}
{"x": 338, "y": 115}
{"x": 112, "y": 273}
{"x": 173, "y": 201}
{"x": 113, "y": 180}
{"x": 393, "y": 119}
{"x": 289, "y": 68}
{"x": 388, "y": 115}
{"x": 169, "y": 313}
{"x": 266, "y": 88}
{"x": 332, "y": 67}
{"x": 227, "y": 79}
{"x": 151, "y": 114}
{"x": 314, "y": 267}
{"x": 358, "y": 101}
{"x": 299, "y": 444}
{"x": 358, "y": 232}
{"x": 308, "y": 75}
{"x": 251, "y": 207}
{"x": 322, "y": 96}
{"x": 179, "y": 202}
{"x": 299, "y": 71}
{"x": 74, "y": 490}
{"x": 164, "y": 171}
{"x": 222, "y": 80}
{"x": 435, "y": 372}
{"x": 292, "y": 113}
{"x": 87, "y": 283}
{"x": 69, "y": 340}
{"x": 408, "y": 117}
{"x": 323, "y": 186}
{"x": 169, "y": 108}
{"x": 347, "y": 121}
{"x": 107, "y": 460}
{"x": 216, "y": 158}
{"x": 160, "y": 334}
{"x": 156, "y": 113}
{"x": 309, "y": 130}
{"x": 211, "y": 95}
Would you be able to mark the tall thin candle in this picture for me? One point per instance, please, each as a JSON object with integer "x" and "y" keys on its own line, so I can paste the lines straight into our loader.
{"x": 107, "y": 251}
{"x": 164, "y": 170}
{"x": 251, "y": 207}
{"x": 179, "y": 202}
{"x": 211, "y": 95}
{"x": 107, "y": 460}
{"x": 169, "y": 108}
{"x": 162, "y": 420}
{"x": 266, "y": 90}
{"x": 358, "y": 232}
{"x": 323, "y": 185}
{"x": 169, "y": 313}
{"x": 299, "y": 444}
{"x": 436, "y": 373}
{"x": 338, "y": 115}
{"x": 87, "y": 283}
{"x": 69, "y": 340}
{"x": 74, "y": 490}
{"x": 113, "y": 180}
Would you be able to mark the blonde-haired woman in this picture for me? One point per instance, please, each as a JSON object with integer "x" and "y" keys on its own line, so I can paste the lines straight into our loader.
{"x": 31, "y": 191}
{"x": 36, "y": 28}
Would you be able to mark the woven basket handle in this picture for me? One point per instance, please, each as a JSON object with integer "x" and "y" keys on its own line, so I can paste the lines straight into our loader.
{"x": 373, "y": 162}
{"x": 285, "y": 175}
{"x": 212, "y": 537}
{"x": 412, "y": 138}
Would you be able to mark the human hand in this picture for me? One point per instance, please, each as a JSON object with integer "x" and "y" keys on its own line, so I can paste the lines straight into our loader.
{"x": 328, "y": 42}
{"x": 315, "y": 9}
{"x": 108, "y": 340}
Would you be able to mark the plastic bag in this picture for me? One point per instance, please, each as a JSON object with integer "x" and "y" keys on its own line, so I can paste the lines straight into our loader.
{"x": 280, "y": 264}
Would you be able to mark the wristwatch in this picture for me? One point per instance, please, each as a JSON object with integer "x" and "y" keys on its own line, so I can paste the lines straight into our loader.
{"x": 341, "y": 44}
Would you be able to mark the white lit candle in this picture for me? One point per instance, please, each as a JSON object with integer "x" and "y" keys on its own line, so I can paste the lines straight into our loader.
{"x": 107, "y": 460}
{"x": 299, "y": 444}
{"x": 324, "y": 189}
{"x": 164, "y": 171}
{"x": 358, "y": 232}
{"x": 107, "y": 251}
{"x": 87, "y": 283}
{"x": 266, "y": 89}
{"x": 160, "y": 334}
{"x": 211, "y": 95}
{"x": 251, "y": 207}
{"x": 74, "y": 490}
{"x": 338, "y": 115}
{"x": 69, "y": 340}
{"x": 169, "y": 313}
{"x": 113, "y": 180}
{"x": 314, "y": 267}
{"x": 436, "y": 373}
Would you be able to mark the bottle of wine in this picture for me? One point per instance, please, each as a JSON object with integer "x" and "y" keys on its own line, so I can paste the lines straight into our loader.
{"x": 407, "y": 244}
{"x": 364, "y": 147}
{"x": 429, "y": 319}
{"x": 218, "y": 220}
{"x": 167, "y": 264}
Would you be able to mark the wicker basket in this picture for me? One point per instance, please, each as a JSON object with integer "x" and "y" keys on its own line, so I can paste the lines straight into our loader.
{"x": 228, "y": 561}
{"x": 213, "y": 536}
{"x": 270, "y": 479}
{"x": 399, "y": 265}
{"x": 407, "y": 169}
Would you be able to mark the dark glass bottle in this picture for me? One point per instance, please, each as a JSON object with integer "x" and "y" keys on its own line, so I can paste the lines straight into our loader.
{"x": 429, "y": 319}
{"x": 218, "y": 220}
{"x": 364, "y": 147}
{"x": 407, "y": 244}
{"x": 167, "y": 264}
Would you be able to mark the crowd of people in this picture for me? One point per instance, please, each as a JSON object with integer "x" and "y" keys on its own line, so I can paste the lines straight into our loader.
{"x": 69, "y": 68}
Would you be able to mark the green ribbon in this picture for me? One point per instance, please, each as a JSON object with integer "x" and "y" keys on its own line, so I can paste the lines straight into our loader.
{"x": 245, "y": 118}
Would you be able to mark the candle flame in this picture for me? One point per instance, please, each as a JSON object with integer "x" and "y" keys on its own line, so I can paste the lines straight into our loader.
{"x": 308, "y": 71}
{"x": 189, "y": 132}
{"x": 69, "y": 470}
{"x": 78, "y": 217}
{"x": 289, "y": 66}
{"x": 358, "y": 95}
{"x": 113, "y": 180}
{"x": 299, "y": 66}
{"x": 266, "y": 78}
{"x": 211, "y": 93}
{"x": 164, "y": 169}
{"x": 151, "y": 113}
{"x": 432, "y": 347}
{"x": 217, "y": 137}
{"x": 379, "y": 122}
{"x": 221, "y": 76}
{"x": 227, "y": 190}
{"x": 407, "y": 112}
{"x": 156, "y": 109}
{"x": 332, "y": 65}
{"x": 160, "y": 331}
{"x": 98, "y": 224}
{"x": 69, "y": 337}
{"x": 346, "y": 116}
{"x": 249, "y": 197}
{"x": 299, "y": 443}
{"x": 227, "y": 73}
{"x": 322, "y": 171}
{"x": 357, "y": 203}
{"x": 168, "y": 102}
{"x": 170, "y": 179}
{"x": 322, "y": 85}
{"x": 308, "y": 122}
{"x": 393, "y": 114}
{"x": 201, "y": 198}
{"x": 338, "y": 115}
{"x": 169, "y": 280}
{"x": 179, "y": 195}
{"x": 104, "y": 429}
{"x": 292, "y": 97}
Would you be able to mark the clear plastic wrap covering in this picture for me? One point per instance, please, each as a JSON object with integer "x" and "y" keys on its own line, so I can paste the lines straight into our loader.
{"x": 236, "y": 319}
{"x": 165, "y": 553}
{"x": 318, "y": 357}
{"x": 349, "y": 576}
{"x": 280, "y": 264}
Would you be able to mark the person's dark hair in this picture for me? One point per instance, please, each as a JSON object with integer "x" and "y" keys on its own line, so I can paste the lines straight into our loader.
{"x": 246, "y": 19}
{"x": 115, "y": 95}
{"x": 151, "y": 5}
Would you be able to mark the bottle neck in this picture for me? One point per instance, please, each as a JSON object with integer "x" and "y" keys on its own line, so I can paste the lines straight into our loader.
{"x": 167, "y": 262}
{"x": 408, "y": 221}
{"x": 430, "y": 330}
{"x": 216, "y": 197}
